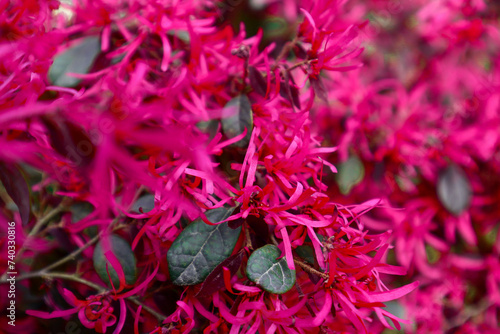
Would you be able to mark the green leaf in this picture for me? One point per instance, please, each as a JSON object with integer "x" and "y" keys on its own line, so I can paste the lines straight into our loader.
{"x": 210, "y": 127}
{"x": 76, "y": 59}
{"x": 433, "y": 255}
{"x": 271, "y": 274}
{"x": 180, "y": 34}
{"x": 80, "y": 210}
{"x": 350, "y": 173}
{"x": 123, "y": 252}
{"x": 200, "y": 248}
{"x": 491, "y": 236}
{"x": 306, "y": 252}
{"x": 275, "y": 27}
{"x": 454, "y": 190}
{"x": 239, "y": 110}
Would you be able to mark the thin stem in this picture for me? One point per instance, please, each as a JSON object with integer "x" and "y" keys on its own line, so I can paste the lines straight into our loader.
{"x": 38, "y": 226}
{"x": 94, "y": 286}
{"x": 5, "y": 197}
{"x": 66, "y": 276}
{"x": 100, "y": 289}
{"x": 469, "y": 313}
{"x": 73, "y": 255}
{"x": 311, "y": 270}
{"x": 248, "y": 240}
{"x": 301, "y": 294}
{"x": 273, "y": 239}
{"x": 304, "y": 62}
{"x": 306, "y": 267}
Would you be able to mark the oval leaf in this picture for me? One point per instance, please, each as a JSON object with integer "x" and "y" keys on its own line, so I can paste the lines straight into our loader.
{"x": 200, "y": 248}
{"x": 80, "y": 210}
{"x": 306, "y": 252}
{"x": 76, "y": 59}
{"x": 271, "y": 274}
{"x": 238, "y": 116}
{"x": 350, "y": 173}
{"x": 123, "y": 252}
{"x": 144, "y": 204}
{"x": 454, "y": 190}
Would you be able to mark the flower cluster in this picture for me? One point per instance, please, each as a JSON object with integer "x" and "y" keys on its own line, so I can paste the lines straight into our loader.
{"x": 171, "y": 165}
{"x": 418, "y": 127}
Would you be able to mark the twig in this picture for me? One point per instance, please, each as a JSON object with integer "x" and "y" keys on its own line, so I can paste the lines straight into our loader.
{"x": 94, "y": 286}
{"x": 304, "y": 62}
{"x": 73, "y": 255}
{"x": 157, "y": 315}
{"x": 248, "y": 240}
{"x": 311, "y": 270}
{"x": 66, "y": 276}
{"x": 38, "y": 226}
{"x": 301, "y": 294}
{"x": 469, "y": 313}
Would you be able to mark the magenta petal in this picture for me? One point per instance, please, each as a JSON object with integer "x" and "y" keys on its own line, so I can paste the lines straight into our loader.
{"x": 142, "y": 285}
{"x": 71, "y": 298}
{"x": 123, "y": 316}
{"x": 393, "y": 294}
{"x": 288, "y": 248}
{"x": 53, "y": 314}
{"x": 117, "y": 267}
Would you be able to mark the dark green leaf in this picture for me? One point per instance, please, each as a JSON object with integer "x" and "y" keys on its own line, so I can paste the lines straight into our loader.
{"x": 76, "y": 59}
{"x": 80, "y": 210}
{"x": 210, "y": 127}
{"x": 239, "y": 116}
{"x": 144, "y": 204}
{"x": 433, "y": 255}
{"x": 299, "y": 51}
{"x": 350, "y": 173}
{"x": 180, "y": 34}
{"x": 275, "y": 27}
{"x": 271, "y": 274}
{"x": 306, "y": 252}
{"x": 200, "y": 248}
{"x": 454, "y": 190}
{"x": 123, "y": 252}
{"x": 16, "y": 187}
